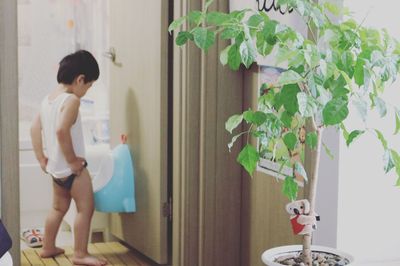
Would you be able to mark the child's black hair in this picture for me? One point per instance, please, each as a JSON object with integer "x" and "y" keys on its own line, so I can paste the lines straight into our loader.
{"x": 79, "y": 63}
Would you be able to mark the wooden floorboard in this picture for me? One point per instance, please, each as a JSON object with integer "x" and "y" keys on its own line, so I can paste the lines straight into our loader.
{"x": 123, "y": 253}
{"x": 24, "y": 260}
{"x": 114, "y": 253}
{"x": 111, "y": 257}
{"x": 46, "y": 261}
{"x": 95, "y": 252}
{"x": 32, "y": 257}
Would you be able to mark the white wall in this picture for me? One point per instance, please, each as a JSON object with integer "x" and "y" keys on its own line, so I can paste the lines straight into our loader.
{"x": 327, "y": 196}
{"x": 368, "y": 215}
{"x": 48, "y": 30}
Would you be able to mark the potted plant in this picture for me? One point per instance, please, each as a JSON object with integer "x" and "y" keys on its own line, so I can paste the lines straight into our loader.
{"x": 341, "y": 64}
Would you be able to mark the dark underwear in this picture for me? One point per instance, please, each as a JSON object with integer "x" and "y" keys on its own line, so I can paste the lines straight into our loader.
{"x": 68, "y": 181}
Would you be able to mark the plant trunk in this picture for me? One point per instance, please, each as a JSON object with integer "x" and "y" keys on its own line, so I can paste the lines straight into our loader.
{"x": 307, "y": 259}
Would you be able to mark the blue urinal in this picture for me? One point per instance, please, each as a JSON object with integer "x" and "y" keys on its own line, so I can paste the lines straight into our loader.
{"x": 113, "y": 186}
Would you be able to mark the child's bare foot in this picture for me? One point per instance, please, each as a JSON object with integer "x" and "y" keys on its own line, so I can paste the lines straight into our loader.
{"x": 88, "y": 260}
{"x": 47, "y": 253}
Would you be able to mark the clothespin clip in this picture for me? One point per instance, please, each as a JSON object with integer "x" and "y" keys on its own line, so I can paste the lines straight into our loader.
{"x": 124, "y": 139}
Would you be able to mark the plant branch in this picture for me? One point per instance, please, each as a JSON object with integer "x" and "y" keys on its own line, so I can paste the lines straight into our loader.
{"x": 248, "y": 133}
{"x": 307, "y": 23}
{"x": 312, "y": 196}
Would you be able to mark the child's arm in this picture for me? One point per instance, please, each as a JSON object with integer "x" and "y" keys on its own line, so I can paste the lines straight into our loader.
{"x": 36, "y": 136}
{"x": 68, "y": 115}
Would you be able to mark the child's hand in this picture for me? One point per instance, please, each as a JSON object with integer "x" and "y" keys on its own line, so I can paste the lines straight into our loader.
{"x": 43, "y": 163}
{"x": 77, "y": 165}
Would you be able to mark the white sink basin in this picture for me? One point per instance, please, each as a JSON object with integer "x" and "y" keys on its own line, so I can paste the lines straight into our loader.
{"x": 100, "y": 164}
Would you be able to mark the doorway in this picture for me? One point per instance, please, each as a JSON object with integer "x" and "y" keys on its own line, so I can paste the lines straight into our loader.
{"x": 131, "y": 97}
{"x": 44, "y": 38}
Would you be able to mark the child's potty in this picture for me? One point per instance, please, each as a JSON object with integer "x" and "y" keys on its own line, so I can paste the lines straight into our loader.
{"x": 113, "y": 186}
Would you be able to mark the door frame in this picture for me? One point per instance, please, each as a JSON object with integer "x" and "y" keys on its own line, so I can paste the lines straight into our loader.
{"x": 9, "y": 146}
{"x": 206, "y": 177}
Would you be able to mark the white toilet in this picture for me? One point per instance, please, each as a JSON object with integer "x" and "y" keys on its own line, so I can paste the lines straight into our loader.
{"x": 99, "y": 161}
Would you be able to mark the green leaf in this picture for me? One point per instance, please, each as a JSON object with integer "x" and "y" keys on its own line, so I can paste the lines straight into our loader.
{"x": 195, "y": 17}
{"x": 397, "y": 114}
{"x": 335, "y": 111}
{"x": 311, "y": 140}
{"x": 289, "y": 77}
{"x": 272, "y": 126}
{"x": 327, "y": 68}
{"x": 353, "y": 135}
{"x": 286, "y": 119}
{"x": 348, "y": 80}
{"x": 382, "y": 139}
{"x": 396, "y": 160}
{"x": 324, "y": 97}
{"x": 299, "y": 168}
{"x": 216, "y": 18}
{"x": 176, "y": 24}
{"x": 257, "y": 134}
{"x": 203, "y": 38}
{"x": 288, "y": 97}
{"x": 296, "y": 61}
{"x": 233, "y": 122}
{"x": 334, "y": 9}
{"x": 290, "y": 140}
{"x": 255, "y": 20}
{"x": 328, "y": 151}
{"x": 249, "y": 158}
{"x": 230, "y": 33}
{"x": 346, "y": 62}
{"x": 234, "y": 58}
{"x": 283, "y": 54}
{"x": 238, "y": 15}
{"x": 362, "y": 107}
{"x": 223, "y": 57}
{"x": 183, "y": 37}
{"x": 277, "y": 102}
{"x": 290, "y": 188}
{"x": 263, "y": 47}
{"x": 307, "y": 105}
{"x": 311, "y": 56}
{"x": 257, "y": 117}
{"x": 388, "y": 161}
{"x": 247, "y": 53}
{"x": 398, "y": 182}
{"x": 340, "y": 91}
{"x": 345, "y": 132}
{"x": 381, "y": 105}
{"x": 359, "y": 72}
{"x": 281, "y": 151}
{"x": 269, "y": 31}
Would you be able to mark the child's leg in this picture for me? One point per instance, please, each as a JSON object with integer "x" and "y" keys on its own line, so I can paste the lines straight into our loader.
{"x": 82, "y": 193}
{"x": 61, "y": 201}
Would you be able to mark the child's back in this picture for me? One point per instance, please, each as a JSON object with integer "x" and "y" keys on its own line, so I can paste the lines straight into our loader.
{"x": 59, "y": 125}
{"x": 50, "y": 111}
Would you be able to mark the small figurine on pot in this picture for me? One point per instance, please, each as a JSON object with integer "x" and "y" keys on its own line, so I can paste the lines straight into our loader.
{"x": 302, "y": 221}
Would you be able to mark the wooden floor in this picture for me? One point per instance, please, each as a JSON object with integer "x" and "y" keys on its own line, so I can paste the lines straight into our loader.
{"x": 114, "y": 252}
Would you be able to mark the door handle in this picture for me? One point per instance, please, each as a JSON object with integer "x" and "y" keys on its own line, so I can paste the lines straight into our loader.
{"x": 111, "y": 54}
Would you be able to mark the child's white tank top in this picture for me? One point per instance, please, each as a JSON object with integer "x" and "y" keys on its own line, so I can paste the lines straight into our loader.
{"x": 57, "y": 166}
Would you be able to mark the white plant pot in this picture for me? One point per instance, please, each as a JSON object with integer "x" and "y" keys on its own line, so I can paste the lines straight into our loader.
{"x": 269, "y": 256}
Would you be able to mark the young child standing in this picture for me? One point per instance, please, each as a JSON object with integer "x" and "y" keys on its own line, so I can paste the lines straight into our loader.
{"x": 59, "y": 125}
